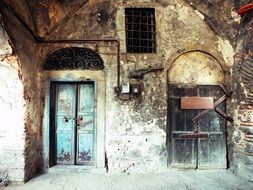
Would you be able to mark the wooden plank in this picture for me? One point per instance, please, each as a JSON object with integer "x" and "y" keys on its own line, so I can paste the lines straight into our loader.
{"x": 205, "y": 103}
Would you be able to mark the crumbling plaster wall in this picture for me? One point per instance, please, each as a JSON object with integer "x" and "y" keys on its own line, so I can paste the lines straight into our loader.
{"x": 12, "y": 135}
{"x": 27, "y": 53}
{"x": 136, "y": 129}
{"x": 143, "y": 127}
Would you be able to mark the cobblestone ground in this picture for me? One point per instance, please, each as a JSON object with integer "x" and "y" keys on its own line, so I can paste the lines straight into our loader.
{"x": 172, "y": 180}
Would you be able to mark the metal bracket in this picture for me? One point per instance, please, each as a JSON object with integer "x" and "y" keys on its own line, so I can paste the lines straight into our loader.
{"x": 139, "y": 74}
{"x": 223, "y": 114}
{"x": 216, "y": 109}
{"x": 223, "y": 88}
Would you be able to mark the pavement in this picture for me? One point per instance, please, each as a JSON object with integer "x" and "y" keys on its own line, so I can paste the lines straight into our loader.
{"x": 171, "y": 180}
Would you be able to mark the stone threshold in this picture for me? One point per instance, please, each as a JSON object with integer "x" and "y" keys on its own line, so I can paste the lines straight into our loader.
{"x": 75, "y": 169}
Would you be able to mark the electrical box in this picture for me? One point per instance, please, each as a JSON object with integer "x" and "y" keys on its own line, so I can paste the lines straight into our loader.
{"x": 125, "y": 88}
{"x": 135, "y": 89}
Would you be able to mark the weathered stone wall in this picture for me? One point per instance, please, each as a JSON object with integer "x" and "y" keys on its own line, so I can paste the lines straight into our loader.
{"x": 243, "y": 101}
{"x": 140, "y": 131}
{"x": 222, "y": 21}
{"x": 27, "y": 53}
{"x": 12, "y": 110}
{"x": 136, "y": 129}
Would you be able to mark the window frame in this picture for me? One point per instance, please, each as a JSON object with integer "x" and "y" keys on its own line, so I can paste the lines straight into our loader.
{"x": 140, "y": 30}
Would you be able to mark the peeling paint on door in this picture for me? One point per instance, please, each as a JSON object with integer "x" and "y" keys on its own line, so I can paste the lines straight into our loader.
{"x": 75, "y": 123}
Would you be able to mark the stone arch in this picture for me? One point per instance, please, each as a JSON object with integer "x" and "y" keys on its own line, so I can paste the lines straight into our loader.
{"x": 74, "y": 58}
{"x": 195, "y": 67}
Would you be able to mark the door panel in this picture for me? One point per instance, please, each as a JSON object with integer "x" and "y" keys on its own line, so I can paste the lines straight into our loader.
{"x": 86, "y": 128}
{"x": 214, "y": 125}
{"x": 186, "y": 158}
{"x": 65, "y": 113}
{"x": 181, "y": 124}
{"x": 86, "y": 94}
{"x": 74, "y": 123}
{"x": 211, "y": 153}
{"x": 201, "y": 144}
{"x": 85, "y": 148}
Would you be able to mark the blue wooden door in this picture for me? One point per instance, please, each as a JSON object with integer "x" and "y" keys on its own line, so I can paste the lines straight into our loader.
{"x": 65, "y": 125}
{"x": 75, "y": 123}
{"x": 85, "y": 124}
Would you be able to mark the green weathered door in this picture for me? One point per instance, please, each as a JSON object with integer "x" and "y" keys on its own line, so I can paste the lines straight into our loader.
{"x": 74, "y": 123}
{"x": 201, "y": 144}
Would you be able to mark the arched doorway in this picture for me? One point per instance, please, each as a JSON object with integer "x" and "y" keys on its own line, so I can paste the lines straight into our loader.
{"x": 196, "y": 111}
{"x": 76, "y": 107}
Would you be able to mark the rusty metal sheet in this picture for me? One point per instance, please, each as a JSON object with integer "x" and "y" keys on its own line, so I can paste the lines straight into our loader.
{"x": 197, "y": 103}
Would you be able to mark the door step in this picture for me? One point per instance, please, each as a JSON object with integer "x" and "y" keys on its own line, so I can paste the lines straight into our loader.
{"x": 75, "y": 169}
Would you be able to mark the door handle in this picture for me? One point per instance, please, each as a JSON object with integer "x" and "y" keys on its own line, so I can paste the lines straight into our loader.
{"x": 66, "y": 119}
{"x": 78, "y": 118}
{"x": 79, "y": 121}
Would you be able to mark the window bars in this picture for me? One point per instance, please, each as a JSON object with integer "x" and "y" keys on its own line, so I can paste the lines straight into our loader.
{"x": 140, "y": 30}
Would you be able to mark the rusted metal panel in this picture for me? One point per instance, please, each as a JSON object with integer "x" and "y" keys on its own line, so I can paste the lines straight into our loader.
{"x": 197, "y": 103}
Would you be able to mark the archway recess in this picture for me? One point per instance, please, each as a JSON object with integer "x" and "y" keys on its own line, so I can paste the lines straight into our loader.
{"x": 76, "y": 84}
{"x": 196, "y": 67}
{"x": 196, "y": 127}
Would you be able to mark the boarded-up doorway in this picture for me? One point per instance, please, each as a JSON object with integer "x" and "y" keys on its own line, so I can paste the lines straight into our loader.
{"x": 200, "y": 144}
{"x": 196, "y": 135}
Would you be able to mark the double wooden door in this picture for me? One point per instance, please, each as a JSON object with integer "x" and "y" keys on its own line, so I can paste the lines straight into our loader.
{"x": 201, "y": 144}
{"x": 72, "y": 123}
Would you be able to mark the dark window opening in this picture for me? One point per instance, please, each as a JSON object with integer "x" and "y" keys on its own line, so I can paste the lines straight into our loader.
{"x": 140, "y": 30}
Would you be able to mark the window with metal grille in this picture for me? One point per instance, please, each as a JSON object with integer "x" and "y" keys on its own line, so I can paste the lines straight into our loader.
{"x": 140, "y": 30}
